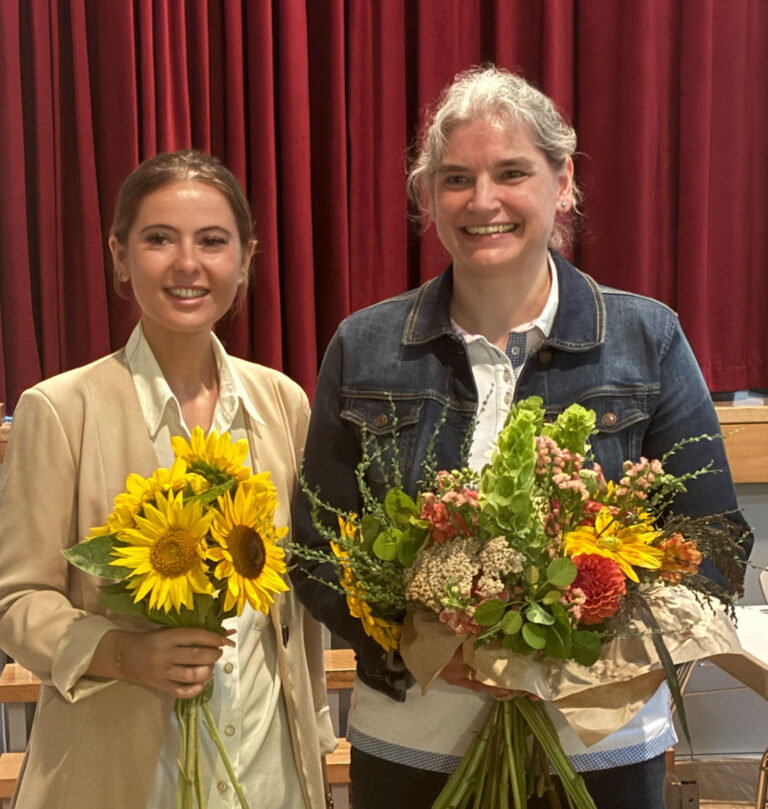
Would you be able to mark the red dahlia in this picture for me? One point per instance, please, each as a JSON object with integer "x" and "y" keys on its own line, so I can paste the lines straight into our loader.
{"x": 604, "y": 585}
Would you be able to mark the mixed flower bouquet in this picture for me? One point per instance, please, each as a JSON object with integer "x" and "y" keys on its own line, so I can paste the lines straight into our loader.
{"x": 189, "y": 546}
{"x": 537, "y": 567}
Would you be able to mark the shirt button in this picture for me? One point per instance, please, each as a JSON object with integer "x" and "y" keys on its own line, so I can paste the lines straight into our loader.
{"x": 228, "y": 668}
{"x": 507, "y": 398}
{"x": 507, "y": 376}
{"x": 515, "y": 350}
{"x": 222, "y": 786}
{"x": 609, "y": 419}
{"x": 229, "y": 730}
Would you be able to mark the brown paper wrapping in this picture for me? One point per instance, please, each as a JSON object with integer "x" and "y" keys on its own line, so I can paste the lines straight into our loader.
{"x": 595, "y": 700}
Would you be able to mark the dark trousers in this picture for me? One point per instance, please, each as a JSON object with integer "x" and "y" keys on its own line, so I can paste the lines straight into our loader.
{"x": 381, "y": 784}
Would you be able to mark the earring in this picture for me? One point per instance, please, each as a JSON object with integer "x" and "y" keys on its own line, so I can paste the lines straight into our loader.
{"x": 563, "y": 204}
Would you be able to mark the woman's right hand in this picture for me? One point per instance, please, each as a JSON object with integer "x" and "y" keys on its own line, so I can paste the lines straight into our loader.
{"x": 178, "y": 661}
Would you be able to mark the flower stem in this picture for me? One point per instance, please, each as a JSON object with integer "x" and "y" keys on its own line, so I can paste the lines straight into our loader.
{"x": 468, "y": 770}
{"x": 210, "y": 724}
{"x": 184, "y": 797}
{"x": 541, "y": 725}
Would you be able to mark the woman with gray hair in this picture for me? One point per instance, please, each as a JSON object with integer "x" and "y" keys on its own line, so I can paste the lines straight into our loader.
{"x": 510, "y": 318}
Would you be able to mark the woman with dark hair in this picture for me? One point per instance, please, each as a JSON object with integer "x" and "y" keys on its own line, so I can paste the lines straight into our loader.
{"x": 103, "y": 734}
{"x": 509, "y": 319}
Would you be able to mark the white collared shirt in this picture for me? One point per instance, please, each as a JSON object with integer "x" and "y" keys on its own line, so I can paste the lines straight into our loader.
{"x": 496, "y": 373}
{"x": 247, "y": 698}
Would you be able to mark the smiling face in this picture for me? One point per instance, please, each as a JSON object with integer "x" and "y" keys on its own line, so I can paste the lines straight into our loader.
{"x": 494, "y": 199}
{"x": 183, "y": 258}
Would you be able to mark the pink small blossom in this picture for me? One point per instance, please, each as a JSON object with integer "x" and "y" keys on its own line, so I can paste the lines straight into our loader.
{"x": 460, "y": 622}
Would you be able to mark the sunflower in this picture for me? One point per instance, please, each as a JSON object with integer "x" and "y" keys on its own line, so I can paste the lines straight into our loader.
{"x": 628, "y": 545}
{"x": 166, "y": 551}
{"x": 138, "y": 491}
{"x": 213, "y": 450}
{"x": 247, "y": 554}
{"x": 385, "y": 633}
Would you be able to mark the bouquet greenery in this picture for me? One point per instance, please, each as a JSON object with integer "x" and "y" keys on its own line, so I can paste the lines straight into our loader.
{"x": 538, "y": 558}
{"x": 189, "y": 546}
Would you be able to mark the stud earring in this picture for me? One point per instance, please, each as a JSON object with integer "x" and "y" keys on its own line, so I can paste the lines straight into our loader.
{"x": 563, "y": 204}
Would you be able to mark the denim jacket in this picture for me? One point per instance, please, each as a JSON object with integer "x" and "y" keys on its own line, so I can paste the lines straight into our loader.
{"x": 400, "y": 361}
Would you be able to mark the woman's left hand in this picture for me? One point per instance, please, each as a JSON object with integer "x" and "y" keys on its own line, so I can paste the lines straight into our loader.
{"x": 457, "y": 672}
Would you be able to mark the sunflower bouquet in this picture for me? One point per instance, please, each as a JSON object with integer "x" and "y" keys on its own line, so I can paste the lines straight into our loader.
{"x": 549, "y": 577}
{"x": 189, "y": 546}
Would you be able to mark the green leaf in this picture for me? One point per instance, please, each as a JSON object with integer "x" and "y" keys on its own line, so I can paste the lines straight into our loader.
{"x": 212, "y": 494}
{"x": 512, "y": 622}
{"x": 116, "y": 598}
{"x": 538, "y": 615}
{"x": 399, "y": 507}
{"x": 490, "y": 612}
{"x": 516, "y": 644}
{"x": 534, "y": 636}
{"x": 641, "y": 608}
{"x": 558, "y": 641}
{"x": 585, "y": 647}
{"x": 552, "y": 597}
{"x": 370, "y": 528}
{"x": 560, "y": 614}
{"x": 94, "y": 557}
{"x": 411, "y": 543}
{"x": 386, "y": 544}
{"x": 561, "y": 572}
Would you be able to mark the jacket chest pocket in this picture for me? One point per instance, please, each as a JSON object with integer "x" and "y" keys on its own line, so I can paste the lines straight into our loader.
{"x": 621, "y": 420}
{"x": 388, "y": 431}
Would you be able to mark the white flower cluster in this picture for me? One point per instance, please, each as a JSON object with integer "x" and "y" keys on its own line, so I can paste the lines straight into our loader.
{"x": 467, "y": 568}
{"x": 497, "y": 561}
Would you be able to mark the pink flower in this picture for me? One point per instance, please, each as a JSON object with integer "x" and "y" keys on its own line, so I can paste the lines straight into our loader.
{"x": 603, "y": 584}
{"x": 436, "y": 513}
{"x": 460, "y": 622}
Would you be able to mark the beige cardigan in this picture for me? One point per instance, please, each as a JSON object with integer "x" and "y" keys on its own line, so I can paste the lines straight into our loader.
{"x": 95, "y": 743}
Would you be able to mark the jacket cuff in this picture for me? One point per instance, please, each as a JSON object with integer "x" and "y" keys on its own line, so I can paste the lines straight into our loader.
{"x": 74, "y": 654}
{"x": 382, "y": 671}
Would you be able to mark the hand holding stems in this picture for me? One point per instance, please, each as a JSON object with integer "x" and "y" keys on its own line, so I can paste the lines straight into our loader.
{"x": 178, "y": 661}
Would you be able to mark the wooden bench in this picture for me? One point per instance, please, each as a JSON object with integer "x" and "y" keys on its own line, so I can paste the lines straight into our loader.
{"x": 20, "y": 687}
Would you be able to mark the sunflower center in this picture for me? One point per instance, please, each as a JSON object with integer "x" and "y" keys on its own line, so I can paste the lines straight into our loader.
{"x": 610, "y": 543}
{"x": 248, "y": 553}
{"x": 174, "y": 553}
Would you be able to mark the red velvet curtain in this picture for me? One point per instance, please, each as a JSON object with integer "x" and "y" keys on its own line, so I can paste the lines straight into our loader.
{"x": 313, "y": 104}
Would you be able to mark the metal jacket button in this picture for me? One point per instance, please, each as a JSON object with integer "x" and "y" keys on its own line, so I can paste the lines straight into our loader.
{"x": 381, "y": 420}
{"x": 545, "y": 356}
{"x": 609, "y": 419}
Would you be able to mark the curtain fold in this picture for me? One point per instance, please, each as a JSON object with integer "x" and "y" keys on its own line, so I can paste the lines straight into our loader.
{"x": 313, "y": 105}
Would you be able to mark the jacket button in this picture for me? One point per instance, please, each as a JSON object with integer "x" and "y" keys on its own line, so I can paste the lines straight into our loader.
{"x": 545, "y": 356}
{"x": 609, "y": 419}
{"x": 381, "y": 420}
{"x": 286, "y": 633}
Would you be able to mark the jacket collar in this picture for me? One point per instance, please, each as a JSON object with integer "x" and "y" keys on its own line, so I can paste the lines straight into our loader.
{"x": 579, "y": 322}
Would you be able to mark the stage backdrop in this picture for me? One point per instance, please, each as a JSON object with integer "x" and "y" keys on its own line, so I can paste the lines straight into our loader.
{"x": 313, "y": 105}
